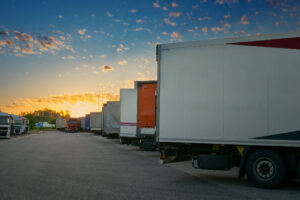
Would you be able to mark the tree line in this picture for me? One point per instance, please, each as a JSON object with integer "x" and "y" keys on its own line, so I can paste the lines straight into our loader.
{"x": 45, "y": 115}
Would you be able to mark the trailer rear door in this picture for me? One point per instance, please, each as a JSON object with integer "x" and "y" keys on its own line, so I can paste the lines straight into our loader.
{"x": 147, "y": 105}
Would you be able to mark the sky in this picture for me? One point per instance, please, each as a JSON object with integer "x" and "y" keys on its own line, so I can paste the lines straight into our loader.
{"x": 76, "y": 55}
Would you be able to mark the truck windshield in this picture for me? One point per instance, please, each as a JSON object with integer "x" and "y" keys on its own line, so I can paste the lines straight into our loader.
{"x": 72, "y": 122}
{"x": 3, "y": 120}
{"x": 18, "y": 122}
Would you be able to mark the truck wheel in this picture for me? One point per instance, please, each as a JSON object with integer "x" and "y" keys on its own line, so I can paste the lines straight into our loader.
{"x": 266, "y": 169}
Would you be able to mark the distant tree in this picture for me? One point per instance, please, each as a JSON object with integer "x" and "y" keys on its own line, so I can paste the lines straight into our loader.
{"x": 32, "y": 120}
{"x": 52, "y": 121}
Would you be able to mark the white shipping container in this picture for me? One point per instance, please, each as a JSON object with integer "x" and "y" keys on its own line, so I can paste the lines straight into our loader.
{"x": 128, "y": 119}
{"x": 96, "y": 121}
{"x": 111, "y": 118}
{"x": 61, "y": 123}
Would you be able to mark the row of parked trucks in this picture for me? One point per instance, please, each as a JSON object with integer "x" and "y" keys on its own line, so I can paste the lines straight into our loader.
{"x": 221, "y": 103}
{"x": 12, "y": 125}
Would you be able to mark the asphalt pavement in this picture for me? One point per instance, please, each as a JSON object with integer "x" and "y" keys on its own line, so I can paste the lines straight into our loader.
{"x": 58, "y": 165}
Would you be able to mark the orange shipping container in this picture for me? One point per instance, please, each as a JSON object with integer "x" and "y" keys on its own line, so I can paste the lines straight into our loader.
{"x": 147, "y": 104}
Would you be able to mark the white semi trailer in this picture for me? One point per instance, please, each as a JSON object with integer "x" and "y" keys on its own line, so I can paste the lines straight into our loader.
{"x": 232, "y": 102}
{"x": 5, "y": 125}
{"x": 128, "y": 119}
{"x": 61, "y": 123}
{"x": 111, "y": 119}
{"x": 96, "y": 122}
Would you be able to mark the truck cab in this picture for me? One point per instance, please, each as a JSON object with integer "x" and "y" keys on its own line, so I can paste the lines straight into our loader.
{"x": 73, "y": 125}
{"x": 25, "y": 126}
{"x": 17, "y": 124}
{"x": 5, "y": 125}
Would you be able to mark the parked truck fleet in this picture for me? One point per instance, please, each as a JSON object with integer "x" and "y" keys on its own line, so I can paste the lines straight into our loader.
{"x": 12, "y": 125}
{"x": 220, "y": 103}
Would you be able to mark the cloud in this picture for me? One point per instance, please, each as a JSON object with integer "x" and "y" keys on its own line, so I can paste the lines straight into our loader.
{"x": 240, "y": 32}
{"x": 164, "y": 33}
{"x": 140, "y": 21}
{"x": 4, "y": 33}
{"x": 204, "y": 18}
{"x": 60, "y": 17}
{"x": 167, "y": 21}
{"x": 226, "y": 25}
{"x": 29, "y": 51}
{"x": 62, "y": 37}
{"x": 165, "y": 8}
{"x": 226, "y": 16}
{"x": 133, "y": 10}
{"x": 106, "y": 68}
{"x": 103, "y": 56}
{"x": 6, "y": 42}
{"x": 109, "y": 14}
{"x": 204, "y": 30}
{"x": 139, "y": 29}
{"x": 122, "y": 48}
{"x": 95, "y": 72}
{"x": 215, "y": 29}
{"x": 175, "y": 14}
{"x": 156, "y": 5}
{"x": 176, "y": 35}
{"x": 222, "y": 2}
{"x": 122, "y": 62}
{"x": 175, "y": 5}
{"x": 81, "y": 31}
{"x": 244, "y": 20}
{"x": 60, "y": 102}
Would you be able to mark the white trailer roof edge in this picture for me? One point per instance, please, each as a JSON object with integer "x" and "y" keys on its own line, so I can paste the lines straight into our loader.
{"x": 229, "y": 40}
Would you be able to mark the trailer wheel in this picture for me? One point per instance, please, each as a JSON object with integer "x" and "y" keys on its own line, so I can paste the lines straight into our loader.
{"x": 266, "y": 169}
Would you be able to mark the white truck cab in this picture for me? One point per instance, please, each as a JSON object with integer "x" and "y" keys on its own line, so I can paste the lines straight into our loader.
{"x": 17, "y": 124}
{"x": 5, "y": 125}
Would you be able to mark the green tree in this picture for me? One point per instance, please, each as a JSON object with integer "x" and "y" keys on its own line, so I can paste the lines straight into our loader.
{"x": 32, "y": 120}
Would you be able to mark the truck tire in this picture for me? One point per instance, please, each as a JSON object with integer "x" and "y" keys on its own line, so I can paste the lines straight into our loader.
{"x": 265, "y": 169}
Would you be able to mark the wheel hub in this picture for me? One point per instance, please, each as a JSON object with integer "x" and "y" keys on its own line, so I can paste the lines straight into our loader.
{"x": 265, "y": 168}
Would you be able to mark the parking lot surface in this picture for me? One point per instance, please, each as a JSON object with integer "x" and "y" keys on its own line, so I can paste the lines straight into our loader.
{"x": 58, "y": 165}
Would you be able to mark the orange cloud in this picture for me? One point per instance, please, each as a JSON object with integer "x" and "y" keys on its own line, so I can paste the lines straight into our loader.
{"x": 167, "y": 21}
{"x": 175, "y": 5}
{"x": 35, "y": 43}
{"x": 176, "y": 35}
{"x": 244, "y": 20}
{"x": 107, "y": 68}
{"x": 81, "y": 31}
{"x": 78, "y": 104}
{"x": 175, "y": 14}
{"x": 156, "y": 5}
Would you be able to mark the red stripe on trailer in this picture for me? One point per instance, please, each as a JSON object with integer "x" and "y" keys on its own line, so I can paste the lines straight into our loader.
{"x": 285, "y": 43}
{"x": 128, "y": 124}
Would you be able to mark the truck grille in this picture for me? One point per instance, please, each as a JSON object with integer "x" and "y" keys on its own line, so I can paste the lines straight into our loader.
{"x": 3, "y": 133}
